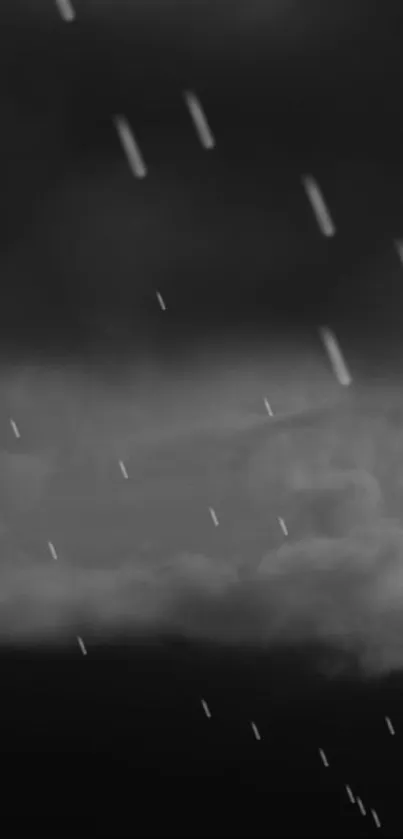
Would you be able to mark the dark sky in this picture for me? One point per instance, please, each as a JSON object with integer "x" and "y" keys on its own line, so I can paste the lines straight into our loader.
{"x": 228, "y": 235}
{"x": 122, "y": 604}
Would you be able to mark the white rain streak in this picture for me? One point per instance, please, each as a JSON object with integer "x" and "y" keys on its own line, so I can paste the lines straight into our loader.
{"x": 15, "y": 428}
{"x": 161, "y": 302}
{"x": 81, "y": 644}
{"x": 375, "y": 818}
{"x": 123, "y": 469}
{"x": 324, "y": 758}
{"x": 213, "y": 516}
{"x": 389, "y": 724}
{"x": 361, "y": 807}
{"x": 255, "y": 731}
{"x": 318, "y": 205}
{"x": 350, "y": 794}
{"x": 268, "y": 408}
{"x": 66, "y": 10}
{"x": 335, "y": 355}
{"x": 130, "y": 147}
{"x": 399, "y": 248}
{"x": 283, "y": 525}
{"x": 52, "y": 550}
{"x": 206, "y": 708}
{"x": 200, "y": 121}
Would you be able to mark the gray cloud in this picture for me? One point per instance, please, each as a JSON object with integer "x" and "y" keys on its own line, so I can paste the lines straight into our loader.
{"x": 333, "y": 472}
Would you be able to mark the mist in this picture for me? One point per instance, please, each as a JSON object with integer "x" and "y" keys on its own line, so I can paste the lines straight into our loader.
{"x": 142, "y": 556}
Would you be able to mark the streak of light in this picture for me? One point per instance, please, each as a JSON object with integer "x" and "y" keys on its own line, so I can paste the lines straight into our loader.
{"x": 283, "y": 525}
{"x": 206, "y": 708}
{"x": 399, "y": 248}
{"x": 268, "y": 408}
{"x": 335, "y": 355}
{"x": 324, "y": 758}
{"x": 66, "y": 10}
{"x": 123, "y": 469}
{"x": 14, "y": 427}
{"x": 361, "y": 807}
{"x": 389, "y": 724}
{"x": 213, "y": 516}
{"x": 160, "y": 301}
{"x": 318, "y": 205}
{"x": 81, "y": 644}
{"x": 350, "y": 794}
{"x": 200, "y": 121}
{"x": 375, "y": 818}
{"x": 130, "y": 147}
{"x": 52, "y": 550}
{"x": 255, "y": 731}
